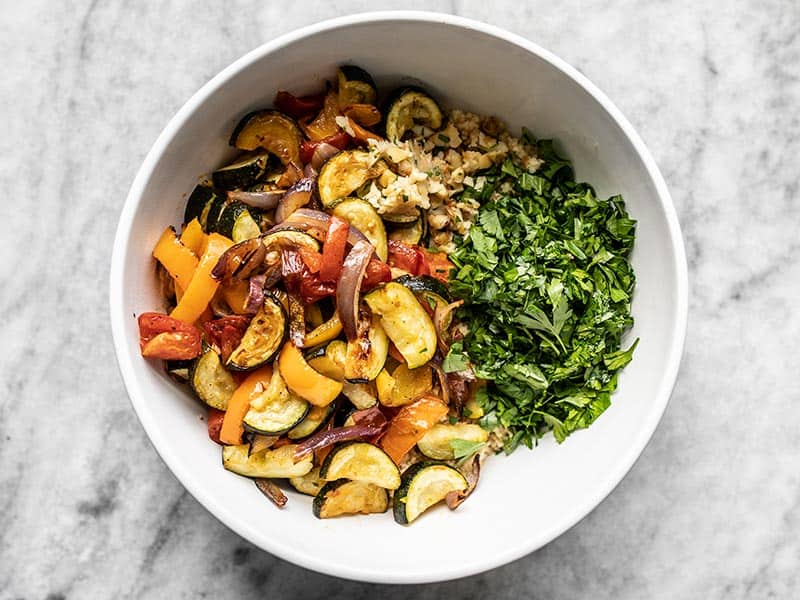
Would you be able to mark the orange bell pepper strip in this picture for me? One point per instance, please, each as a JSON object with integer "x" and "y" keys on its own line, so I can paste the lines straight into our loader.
{"x": 193, "y": 237}
{"x": 410, "y": 424}
{"x": 239, "y": 403}
{"x": 303, "y": 380}
{"x": 202, "y": 287}
{"x": 179, "y": 261}
{"x": 236, "y": 295}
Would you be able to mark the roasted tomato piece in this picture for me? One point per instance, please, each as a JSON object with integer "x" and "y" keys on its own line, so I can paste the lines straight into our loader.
{"x": 162, "y": 336}
{"x": 226, "y": 333}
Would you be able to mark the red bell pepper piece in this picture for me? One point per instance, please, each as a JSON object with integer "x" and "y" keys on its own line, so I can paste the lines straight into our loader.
{"x": 333, "y": 249}
{"x": 298, "y": 107}
{"x": 340, "y": 140}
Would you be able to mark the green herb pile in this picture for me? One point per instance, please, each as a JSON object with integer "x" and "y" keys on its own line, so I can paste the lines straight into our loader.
{"x": 547, "y": 285}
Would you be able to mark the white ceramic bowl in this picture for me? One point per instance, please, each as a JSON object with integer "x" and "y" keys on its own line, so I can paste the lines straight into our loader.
{"x": 523, "y": 501}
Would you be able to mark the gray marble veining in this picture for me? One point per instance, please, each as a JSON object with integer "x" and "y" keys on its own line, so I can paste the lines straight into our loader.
{"x": 712, "y": 508}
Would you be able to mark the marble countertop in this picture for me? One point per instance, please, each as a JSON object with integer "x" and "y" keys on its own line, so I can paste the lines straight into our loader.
{"x": 711, "y": 509}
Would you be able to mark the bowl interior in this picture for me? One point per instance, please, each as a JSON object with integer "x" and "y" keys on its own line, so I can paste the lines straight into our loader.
{"x": 524, "y": 500}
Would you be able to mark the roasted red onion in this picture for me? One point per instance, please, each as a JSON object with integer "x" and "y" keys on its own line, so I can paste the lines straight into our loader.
{"x": 349, "y": 286}
{"x": 295, "y": 197}
{"x": 315, "y": 223}
{"x": 262, "y": 200}
{"x": 309, "y": 171}
{"x": 329, "y": 437}
{"x": 322, "y": 153}
{"x": 442, "y": 382}
{"x": 472, "y": 473}
{"x": 442, "y": 318}
{"x": 270, "y": 489}
{"x": 369, "y": 416}
{"x": 255, "y": 293}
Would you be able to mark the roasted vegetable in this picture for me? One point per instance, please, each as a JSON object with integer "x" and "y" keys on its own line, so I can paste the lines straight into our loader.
{"x": 303, "y": 380}
{"x": 405, "y": 322}
{"x": 442, "y": 441}
{"x": 165, "y": 337}
{"x": 237, "y": 223}
{"x": 409, "y": 425}
{"x": 366, "y": 354}
{"x": 272, "y": 463}
{"x": 263, "y": 338}
{"x": 356, "y": 86}
{"x": 310, "y": 483}
{"x": 425, "y": 484}
{"x": 199, "y": 203}
{"x": 361, "y": 215}
{"x": 239, "y": 404}
{"x": 361, "y": 461}
{"x": 179, "y": 261}
{"x": 212, "y": 383}
{"x": 344, "y": 497}
{"x": 202, "y": 287}
{"x": 409, "y": 107}
{"x": 409, "y": 233}
{"x": 341, "y": 175}
{"x": 274, "y": 410}
{"x": 312, "y": 422}
{"x": 403, "y": 385}
{"x": 268, "y": 129}
{"x": 241, "y": 174}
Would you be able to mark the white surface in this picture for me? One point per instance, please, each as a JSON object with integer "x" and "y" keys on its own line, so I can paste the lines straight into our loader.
{"x": 711, "y": 509}
{"x": 511, "y": 514}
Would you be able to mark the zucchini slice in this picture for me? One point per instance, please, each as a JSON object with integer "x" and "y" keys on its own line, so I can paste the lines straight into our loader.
{"x": 408, "y": 107}
{"x": 237, "y": 223}
{"x": 275, "y": 409}
{"x": 361, "y": 395}
{"x": 361, "y": 461}
{"x": 424, "y": 484}
{"x": 290, "y": 238}
{"x": 400, "y": 219}
{"x": 263, "y": 338}
{"x": 343, "y": 497}
{"x": 179, "y": 369}
{"x": 361, "y": 215}
{"x": 241, "y": 174}
{"x": 212, "y": 383}
{"x": 198, "y": 204}
{"x": 426, "y": 285}
{"x": 272, "y": 463}
{"x": 436, "y": 443}
{"x": 405, "y": 322}
{"x": 211, "y": 217}
{"x": 408, "y": 233}
{"x": 366, "y": 355}
{"x": 316, "y": 418}
{"x": 356, "y": 86}
{"x": 271, "y": 130}
{"x": 309, "y": 484}
{"x": 404, "y": 385}
{"x": 343, "y": 174}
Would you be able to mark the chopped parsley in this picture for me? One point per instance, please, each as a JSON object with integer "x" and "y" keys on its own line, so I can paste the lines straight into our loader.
{"x": 547, "y": 285}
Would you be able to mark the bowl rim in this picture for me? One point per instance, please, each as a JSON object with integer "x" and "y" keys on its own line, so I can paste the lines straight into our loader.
{"x": 285, "y": 551}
